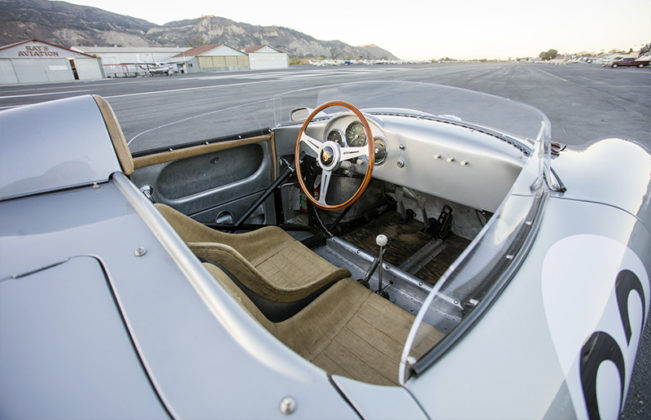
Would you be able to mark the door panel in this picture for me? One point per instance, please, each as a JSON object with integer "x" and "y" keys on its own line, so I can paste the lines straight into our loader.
{"x": 188, "y": 177}
{"x": 231, "y": 211}
{"x": 212, "y": 184}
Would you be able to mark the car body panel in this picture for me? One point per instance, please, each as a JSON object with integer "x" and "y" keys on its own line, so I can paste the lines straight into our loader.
{"x": 179, "y": 319}
{"x": 379, "y": 402}
{"x": 55, "y": 151}
{"x": 519, "y": 350}
{"x": 611, "y": 171}
{"x": 68, "y": 309}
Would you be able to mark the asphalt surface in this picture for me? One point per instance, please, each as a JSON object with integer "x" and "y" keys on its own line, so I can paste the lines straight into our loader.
{"x": 584, "y": 103}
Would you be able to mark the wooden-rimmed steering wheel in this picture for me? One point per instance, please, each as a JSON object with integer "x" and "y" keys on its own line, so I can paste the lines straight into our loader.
{"x": 329, "y": 155}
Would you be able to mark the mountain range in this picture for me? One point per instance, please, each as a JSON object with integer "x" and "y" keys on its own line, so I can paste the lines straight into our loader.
{"x": 68, "y": 24}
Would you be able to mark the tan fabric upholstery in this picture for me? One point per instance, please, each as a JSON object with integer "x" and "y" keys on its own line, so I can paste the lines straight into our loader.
{"x": 347, "y": 330}
{"x": 187, "y": 152}
{"x": 268, "y": 261}
{"x": 117, "y": 137}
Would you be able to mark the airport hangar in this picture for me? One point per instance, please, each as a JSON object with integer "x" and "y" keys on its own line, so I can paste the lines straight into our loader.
{"x": 130, "y": 61}
{"x": 36, "y": 61}
{"x": 264, "y": 57}
{"x": 221, "y": 57}
{"x": 135, "y": 61}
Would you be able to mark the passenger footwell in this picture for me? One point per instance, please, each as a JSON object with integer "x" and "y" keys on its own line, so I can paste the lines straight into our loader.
{"x": 405, "y": 240}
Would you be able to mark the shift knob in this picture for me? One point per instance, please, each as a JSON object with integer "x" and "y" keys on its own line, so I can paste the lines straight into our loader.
{"x": 381, "y": 240}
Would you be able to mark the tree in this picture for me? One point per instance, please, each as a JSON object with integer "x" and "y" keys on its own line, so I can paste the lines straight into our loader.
{"x": 548, "y": 55}
{"x": 645, "y": 50}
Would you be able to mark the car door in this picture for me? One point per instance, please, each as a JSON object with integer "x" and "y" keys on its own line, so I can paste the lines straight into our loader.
{"x": 214, "y": 181}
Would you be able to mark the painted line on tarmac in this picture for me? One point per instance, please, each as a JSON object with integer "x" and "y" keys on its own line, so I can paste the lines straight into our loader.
{"x": 283, "y": 79}
{"x": 157, "y": 92}
{"x": 43, "y": 94}
{"x": 553, "y": 75}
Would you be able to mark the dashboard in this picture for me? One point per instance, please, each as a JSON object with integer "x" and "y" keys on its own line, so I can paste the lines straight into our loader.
{"x": 457, "y": 163}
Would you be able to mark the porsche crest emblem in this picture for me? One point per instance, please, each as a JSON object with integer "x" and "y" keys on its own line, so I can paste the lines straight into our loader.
{"x": 327, "y": 154}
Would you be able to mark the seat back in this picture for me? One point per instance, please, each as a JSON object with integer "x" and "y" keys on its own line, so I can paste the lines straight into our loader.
{"x": 240, "y": 297}
{"x": 117, "y": 137}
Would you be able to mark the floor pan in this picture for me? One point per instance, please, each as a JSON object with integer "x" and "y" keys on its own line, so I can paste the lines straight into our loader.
{"x": 405, "y": 240}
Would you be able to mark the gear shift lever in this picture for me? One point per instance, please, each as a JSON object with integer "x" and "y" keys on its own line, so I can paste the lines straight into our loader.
{"x": 381, "y": 241}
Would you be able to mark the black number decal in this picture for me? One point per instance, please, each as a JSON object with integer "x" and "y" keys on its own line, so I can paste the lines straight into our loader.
{"x": 627, "y": 281}
{"x": 599, "y": 348}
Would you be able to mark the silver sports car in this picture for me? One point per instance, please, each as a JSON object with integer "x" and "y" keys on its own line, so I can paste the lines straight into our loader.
{"x": 375, "y": 250}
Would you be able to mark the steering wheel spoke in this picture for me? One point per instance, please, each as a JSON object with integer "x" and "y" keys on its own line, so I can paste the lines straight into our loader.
{"x": 348, "y": 153}
{"x": 313, "y": 144}
{"x": 325, "y": 183}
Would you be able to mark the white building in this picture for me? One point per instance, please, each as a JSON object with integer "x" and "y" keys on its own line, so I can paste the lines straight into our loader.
{"x": 211, "y": 58}
{"x": 36, "y": 61}
{"x": 130, "y": 61}
{"x": 263, "y": 57}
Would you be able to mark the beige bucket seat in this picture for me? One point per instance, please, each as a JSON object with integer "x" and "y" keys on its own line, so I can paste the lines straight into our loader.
{"x": 268, "y": 261}
{"x": 348, "y": 330}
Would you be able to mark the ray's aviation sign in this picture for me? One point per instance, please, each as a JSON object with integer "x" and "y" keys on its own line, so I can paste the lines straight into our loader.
{"x": 37, "y": 51}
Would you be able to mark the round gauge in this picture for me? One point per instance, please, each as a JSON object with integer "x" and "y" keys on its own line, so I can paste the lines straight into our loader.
{"x": 380, "y": 151}
{"x": 355, "y": 135}
{"x": 335, "y": 135}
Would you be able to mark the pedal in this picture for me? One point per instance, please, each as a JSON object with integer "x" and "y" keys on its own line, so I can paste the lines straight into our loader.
{"x": 440, "y": 227}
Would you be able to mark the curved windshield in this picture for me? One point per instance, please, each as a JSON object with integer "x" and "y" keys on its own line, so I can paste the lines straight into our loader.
{"x": 212, "y": 123}
{"x": 217, "y": 121}
{"x": 485, "y": 267}
{"x": 455, "y": 104}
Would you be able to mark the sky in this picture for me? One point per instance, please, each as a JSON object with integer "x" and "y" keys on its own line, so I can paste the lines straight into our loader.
{"x": 429, "y": 29}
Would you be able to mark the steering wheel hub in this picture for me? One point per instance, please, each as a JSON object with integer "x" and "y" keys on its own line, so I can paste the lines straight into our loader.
{"x": 329, "y": 157}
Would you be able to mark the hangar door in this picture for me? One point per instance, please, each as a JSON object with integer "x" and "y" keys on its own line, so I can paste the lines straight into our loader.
{"x": 7, "y": 73}
{"x": 263, "y": 61}
{"x": 88, "y": 69}
{"x": 34, "y": 70}
{"x": 224, "y": 61}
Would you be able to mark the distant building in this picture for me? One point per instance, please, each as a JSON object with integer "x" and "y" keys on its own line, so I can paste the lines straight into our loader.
{"x": 211, "y": 58}
{"x": 264, "y": 57}
{"x": 130, "y": 61}
{"x": 36, "y": 61}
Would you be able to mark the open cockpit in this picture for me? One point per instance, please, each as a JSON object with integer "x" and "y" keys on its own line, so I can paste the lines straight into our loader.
{"x": 333, "y": 231}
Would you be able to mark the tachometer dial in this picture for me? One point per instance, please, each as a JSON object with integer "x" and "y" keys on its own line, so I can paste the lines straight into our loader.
{"x": 336, "y": 136}
{"x": 380, "y": 151}
{"x": 355, "y": 135}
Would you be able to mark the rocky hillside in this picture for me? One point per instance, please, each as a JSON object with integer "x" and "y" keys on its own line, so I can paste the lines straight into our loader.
{"x": 68, "y": 24}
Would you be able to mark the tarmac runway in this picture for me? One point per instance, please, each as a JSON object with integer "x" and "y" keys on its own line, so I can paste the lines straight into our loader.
{"x": 584, "y": 103}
